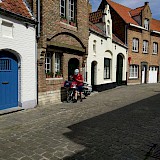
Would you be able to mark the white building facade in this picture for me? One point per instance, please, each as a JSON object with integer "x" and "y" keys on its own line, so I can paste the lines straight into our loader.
{"x": 18, "y": 73}
{"x": 107, "y": 56}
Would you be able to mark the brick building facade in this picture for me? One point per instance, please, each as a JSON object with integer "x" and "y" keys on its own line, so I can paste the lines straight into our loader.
{"x": 62, "y": 45}
{"x": 141, "y": 33}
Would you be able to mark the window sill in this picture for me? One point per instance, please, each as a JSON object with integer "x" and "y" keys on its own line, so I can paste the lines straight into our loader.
{"x": 60, "y": 78}
{"x": 134, "y": 51}
{"x": 155, "y": 54}
{"x": 68, "y": 26}
{"x": 145, "y": 52}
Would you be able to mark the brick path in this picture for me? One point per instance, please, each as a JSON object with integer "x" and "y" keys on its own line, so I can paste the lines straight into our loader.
{"x": 117, "y": 124}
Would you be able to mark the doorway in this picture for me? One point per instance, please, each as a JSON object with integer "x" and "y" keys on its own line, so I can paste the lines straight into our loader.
{"x": 8, "y": 80}
{"x": 119, "y": 74}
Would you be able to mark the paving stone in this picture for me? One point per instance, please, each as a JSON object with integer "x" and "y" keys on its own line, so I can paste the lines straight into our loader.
{"x": 112, "y": 125}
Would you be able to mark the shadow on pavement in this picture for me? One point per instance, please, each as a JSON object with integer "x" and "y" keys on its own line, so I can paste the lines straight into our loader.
{"x": 124, "y": 134}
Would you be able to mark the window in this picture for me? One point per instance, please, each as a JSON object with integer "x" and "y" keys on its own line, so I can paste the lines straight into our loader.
{"x": 94, "y": 46}
{"x": 108, "y": 29}
{"x": 7, "y": 29}
{"x": 5, "y": 65}
{"x": 146, "y": 24}
{"x": 53, "y": 64}
{"x": 67, "y": 10}
{"x": 48, "y": 62}
{"x": 63, "y": 8}
{"x": 133, "y": 71}
{"x": 155, "y": 47}
{"x": 135, "y": 45}
{"x": 57, "y": 63}
{"x": 145, "y": 46}
{"x": 107, "y": 63}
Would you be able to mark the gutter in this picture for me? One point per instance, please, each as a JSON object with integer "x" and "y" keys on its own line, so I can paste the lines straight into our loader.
{"x": 133, "y": 25}
{"x": 156, "y": 32}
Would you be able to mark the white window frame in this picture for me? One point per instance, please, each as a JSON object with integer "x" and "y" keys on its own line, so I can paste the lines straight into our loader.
{"x": 71, "y": 10}
{"x": 155, "y": 48}
{"x": 53, "y": 62}
{"x": 145, "y": 46}
{"x": 57, "y": 63}
{"x": 133, "y": 71}
{"x": 48, "y": 62}
{"x": 64, "y": 7}
{"x": 146, "y": 24}
{"x": 135, "y": 44}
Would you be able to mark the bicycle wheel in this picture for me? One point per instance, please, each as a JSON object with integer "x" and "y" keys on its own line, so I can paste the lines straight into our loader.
{"x": 69, "y": 96}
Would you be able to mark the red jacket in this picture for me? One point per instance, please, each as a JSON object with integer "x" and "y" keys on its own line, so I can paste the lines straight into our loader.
{"x": 79, "y": 79}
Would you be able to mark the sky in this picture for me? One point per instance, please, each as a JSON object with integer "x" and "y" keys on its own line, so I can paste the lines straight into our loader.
{"x": 154, "y": 5}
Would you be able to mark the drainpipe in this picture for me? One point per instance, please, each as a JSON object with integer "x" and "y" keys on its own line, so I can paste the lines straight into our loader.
{"x": 38, "y": 18}
{"x": 38, "y": 36}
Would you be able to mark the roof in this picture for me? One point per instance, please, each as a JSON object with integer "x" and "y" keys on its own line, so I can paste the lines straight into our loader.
{"x": 127, "y": 14}
{"x": 96, "y": 17}
{"x": 96, "y": 29}
{"x": 137, "y": 11}
{"x": 155, "y": 25}
{"x": 117, "y": 40}
{"x": 16, "y": 6}
{"x": 123, "y": 11}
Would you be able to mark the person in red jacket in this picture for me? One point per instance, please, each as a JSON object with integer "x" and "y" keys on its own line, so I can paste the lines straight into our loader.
{"x": 79, "y": 80}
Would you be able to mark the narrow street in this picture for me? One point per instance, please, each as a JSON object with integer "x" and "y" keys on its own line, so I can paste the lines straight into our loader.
{"x": 117, "y": 124}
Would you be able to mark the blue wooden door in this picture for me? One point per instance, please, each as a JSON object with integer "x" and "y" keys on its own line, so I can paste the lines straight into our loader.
{"x": 8, "y": 81}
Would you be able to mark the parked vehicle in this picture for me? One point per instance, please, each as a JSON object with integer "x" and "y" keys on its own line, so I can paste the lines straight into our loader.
{"x": 71, "y": 88}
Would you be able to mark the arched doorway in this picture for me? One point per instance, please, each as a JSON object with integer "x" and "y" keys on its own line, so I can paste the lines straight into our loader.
{"x": 72, "y": 65}
{"x": 93, "y": 74}
{"x": 8, "y": 80}
{"x": 119, "y": 74}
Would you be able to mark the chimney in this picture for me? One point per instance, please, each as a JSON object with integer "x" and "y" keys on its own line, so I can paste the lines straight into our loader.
{"x": 146, "y": 3}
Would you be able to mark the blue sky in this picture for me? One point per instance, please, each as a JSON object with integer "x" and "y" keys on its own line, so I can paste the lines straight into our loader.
{"x": 154, "y": 5}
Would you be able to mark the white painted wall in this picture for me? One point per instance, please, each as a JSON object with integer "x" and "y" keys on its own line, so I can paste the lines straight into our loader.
{"x": 105, "y": 50}
{"x": 23, "y": 44}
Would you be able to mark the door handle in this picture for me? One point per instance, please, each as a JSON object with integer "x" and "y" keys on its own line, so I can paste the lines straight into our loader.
{"x": 5, "y": 82}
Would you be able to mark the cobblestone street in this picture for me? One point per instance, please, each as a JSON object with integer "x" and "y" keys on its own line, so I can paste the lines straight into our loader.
{"x": 117, "y": 124}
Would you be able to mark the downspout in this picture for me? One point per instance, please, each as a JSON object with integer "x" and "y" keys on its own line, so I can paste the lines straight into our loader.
{"x": 38, "y": 18}
{"x": 126, "y": 43}
{"x": 38, "y": 36}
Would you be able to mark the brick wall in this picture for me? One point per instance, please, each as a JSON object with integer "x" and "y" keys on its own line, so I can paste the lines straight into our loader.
{"x": 72, "y": 41}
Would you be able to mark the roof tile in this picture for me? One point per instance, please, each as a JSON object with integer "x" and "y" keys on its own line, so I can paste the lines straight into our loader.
{"x": 16, "y": 6}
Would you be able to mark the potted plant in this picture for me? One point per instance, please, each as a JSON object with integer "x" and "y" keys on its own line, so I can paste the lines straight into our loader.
{"x": 58, "y": 74}
{"x": 49, "y": 75}
{"x": 72, "y": 23}
{"x": 63, "y": 19}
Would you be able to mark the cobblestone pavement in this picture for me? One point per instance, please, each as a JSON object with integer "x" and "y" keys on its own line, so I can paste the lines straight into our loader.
{"x": 117, "y": 124}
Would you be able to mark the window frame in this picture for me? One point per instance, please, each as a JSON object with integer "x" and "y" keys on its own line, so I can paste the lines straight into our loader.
{"x": 107, "y": 69}
{"x": 70, "y": 11}
{"x": 155, "y": 48}
{"x": 61, "y": 6}
{"x": 135, "y": 45}
{"x": 145, "y": 46}
{"x": 54, "y": 62}
{"x": 135, "y": 72}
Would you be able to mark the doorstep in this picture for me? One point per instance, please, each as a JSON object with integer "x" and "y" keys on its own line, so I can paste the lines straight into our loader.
{"x": 10, "y": 110}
